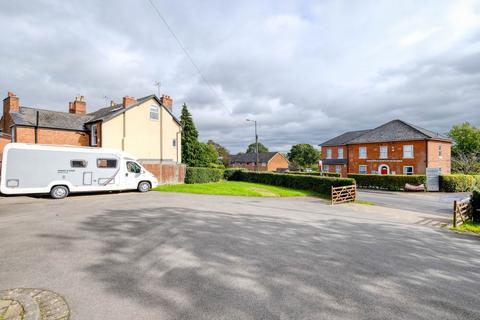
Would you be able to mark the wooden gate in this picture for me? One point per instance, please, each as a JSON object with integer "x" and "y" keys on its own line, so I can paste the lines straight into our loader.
{"x": 344, "y": 194}
{"x": 462, "y": 211}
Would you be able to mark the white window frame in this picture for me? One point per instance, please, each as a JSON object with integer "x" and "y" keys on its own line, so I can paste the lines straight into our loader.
{"x": 14, "y": 131}
{"x": 405, "y": 171}
{"x": 360, "y": 169}
{"x": 329, "y": 153}
{"x": 408, "y": 154}
{"x": 338, "y": 169}
{"x": 154, "y": 110}
{"x": 383, "y": 152}
{"x": 93, "y": 135}
{"x": 326, "y": 168}
{"x": 440, "y": 152}
{"x": 360, "y": 156}
{"x": 340, "y": 153}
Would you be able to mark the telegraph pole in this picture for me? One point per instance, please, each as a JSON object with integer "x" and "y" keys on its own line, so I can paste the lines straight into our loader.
{"x": 158, "y": 85}
{"x": 256, "y": 144}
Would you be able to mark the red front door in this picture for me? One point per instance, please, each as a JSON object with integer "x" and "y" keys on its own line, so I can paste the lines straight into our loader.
{"x": 383, "y": 170}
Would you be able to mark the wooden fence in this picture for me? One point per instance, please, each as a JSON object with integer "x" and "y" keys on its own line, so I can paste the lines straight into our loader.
{"x": 462, "y": 211}
{"x": 344, "y": 194}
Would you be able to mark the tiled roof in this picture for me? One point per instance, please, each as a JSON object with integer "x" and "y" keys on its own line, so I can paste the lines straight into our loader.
{"x": 50, "y": 119}
{"x": 398, "y": 130}
{"x": 344, "y": 138}
{"x": 395, "y": 130}
{"x": 251, "y": 157}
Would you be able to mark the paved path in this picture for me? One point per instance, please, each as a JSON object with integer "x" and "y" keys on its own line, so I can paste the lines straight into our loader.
{"x": 181, "y": 256}
{"x": 438, "y": 203}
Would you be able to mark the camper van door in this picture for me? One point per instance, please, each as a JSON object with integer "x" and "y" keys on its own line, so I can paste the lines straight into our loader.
{"x": 132, "y": 174}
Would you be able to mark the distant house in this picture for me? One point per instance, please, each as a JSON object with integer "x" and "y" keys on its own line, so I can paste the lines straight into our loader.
{"x": 396, "y": 147}
{"x": 267, "y": 161}
{"x": 144, "y": 127}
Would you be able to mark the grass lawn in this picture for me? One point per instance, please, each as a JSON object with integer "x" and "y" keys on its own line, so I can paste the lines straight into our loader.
{"x": 468, "y": 226}
{"x": 236, "y": 188}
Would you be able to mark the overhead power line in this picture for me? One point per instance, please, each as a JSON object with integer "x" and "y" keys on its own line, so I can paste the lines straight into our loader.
{"x": 180, "y": 44}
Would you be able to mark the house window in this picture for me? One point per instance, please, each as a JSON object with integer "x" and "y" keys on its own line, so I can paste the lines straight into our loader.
{"x": 329, "y": 153}
{"x": 362, "y": 169}
{"x": 174, "y": 143}
{"x": 78, "y": 163}
{"x": 13, "y": 134}
{"x": 326, "y": 168}
{"x": 154, "y": 113}
{"x": 440, "y": 154}
{"x": 408, "y": 152}
{"x": 362, "y": 152}
{"x": 106, "y": 163}
{"x": 383, "y": 152}
{"x": 408, "y": 170}
{"x": 340, "y": 153}
{"x": 93, "y": 135}
{"x": 338, "y": 169}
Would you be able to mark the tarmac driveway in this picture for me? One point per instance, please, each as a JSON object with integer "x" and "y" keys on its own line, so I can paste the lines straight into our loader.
{"x": 181, "y": 256}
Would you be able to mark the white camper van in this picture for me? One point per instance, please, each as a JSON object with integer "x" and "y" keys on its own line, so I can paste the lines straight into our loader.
{"x": 60, "y": 170}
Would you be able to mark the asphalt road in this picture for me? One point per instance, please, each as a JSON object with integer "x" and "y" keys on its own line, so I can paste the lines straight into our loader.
{"x": 438, "y": 203}
{"x": 180, "y": 256}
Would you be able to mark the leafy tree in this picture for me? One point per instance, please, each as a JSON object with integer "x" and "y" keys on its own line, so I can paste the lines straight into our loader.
{"x": 223, "y": 152}
{"x": 303, "y": 154}
{"x": 466, "y": 148}
{"x": 466, "y": 139}
{"x": 204, "y": 156}
{"x": 190, "y": 144}
{"x": 261, "y": 148}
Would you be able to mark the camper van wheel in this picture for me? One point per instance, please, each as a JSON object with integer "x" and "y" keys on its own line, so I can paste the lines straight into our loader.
{"x": 143, "y": 186}
{"x": 59, "y": 192}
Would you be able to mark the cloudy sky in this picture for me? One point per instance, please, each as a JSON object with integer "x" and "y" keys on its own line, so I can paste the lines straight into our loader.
{"x": 306, "y": 70}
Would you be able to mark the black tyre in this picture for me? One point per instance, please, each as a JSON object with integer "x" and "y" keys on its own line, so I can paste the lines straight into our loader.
{"x": 143, "y": 186}
{"x": 59, "y": 192}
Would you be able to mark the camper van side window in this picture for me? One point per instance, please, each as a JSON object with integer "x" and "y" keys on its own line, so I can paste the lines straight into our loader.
{"x": 133, "y": 167}
{"x": 106, "y": 163}
{"x": 78, "y": 163}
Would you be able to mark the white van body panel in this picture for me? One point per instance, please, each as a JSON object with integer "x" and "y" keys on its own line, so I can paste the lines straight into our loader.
{"x": 34, "y": 168}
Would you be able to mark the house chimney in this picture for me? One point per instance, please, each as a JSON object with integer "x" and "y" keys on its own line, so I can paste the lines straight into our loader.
{"x": 167, "y": 102}
{"x": 128, "y": 101}
{"x": 11, "y": 103}
{"x": 79, "y": 106}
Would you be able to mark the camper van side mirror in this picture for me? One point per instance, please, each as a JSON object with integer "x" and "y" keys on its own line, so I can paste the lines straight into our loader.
{"x": 143, "y": 171}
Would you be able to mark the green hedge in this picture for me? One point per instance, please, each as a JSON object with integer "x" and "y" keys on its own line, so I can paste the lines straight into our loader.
{"x": 476, "y": 205}
{"x": 202, "y": 175}
{"x": 459, "y": 182}
{"x": 389, "y": 182}
{"x": 325, "y": 174}
{"x": 229, "y": 174}
{"x": 320, "y": 185}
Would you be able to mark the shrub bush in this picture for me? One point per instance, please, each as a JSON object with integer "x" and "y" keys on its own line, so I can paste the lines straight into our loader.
{"x": 202, "y": 175}
{"x": 459, "y": 182}
{"x": 229, "y": 174}
{"x": 321, "y": 185}
{"x": 476, "y": 205}
{"x": 389, "y": 182}
{"x": 325, "y": 174}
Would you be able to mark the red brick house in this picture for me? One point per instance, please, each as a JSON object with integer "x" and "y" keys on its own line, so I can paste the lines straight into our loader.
{"x": 396, "y": 147}
{"x": 267, "y": 161}
{"x": 144, "y": 127}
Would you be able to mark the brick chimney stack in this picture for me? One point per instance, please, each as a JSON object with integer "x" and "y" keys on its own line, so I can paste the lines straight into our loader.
{"x": 79, "y": 106}
{"x": 167, "y": 101}
{"x": 11, "y": 103}
{"x": 128, "y": 101}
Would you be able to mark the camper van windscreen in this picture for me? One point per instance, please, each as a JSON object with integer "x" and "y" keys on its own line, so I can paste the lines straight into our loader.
{"x": 106, "y": 163}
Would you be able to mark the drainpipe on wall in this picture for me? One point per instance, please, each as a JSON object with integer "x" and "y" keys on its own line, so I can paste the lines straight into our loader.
{"x": 36, "y": 126}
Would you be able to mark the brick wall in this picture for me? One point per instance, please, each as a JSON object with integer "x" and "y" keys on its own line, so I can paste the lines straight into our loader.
{"x": 52, "y": 136}
{"x": 395, "y": 160}
{"x": 4, "y": 140}
{"x": 277, "y": 162}
{"x": 443, "y": 161}
{"x": 166, "y": 172}
{"x": 250, "y": 166}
